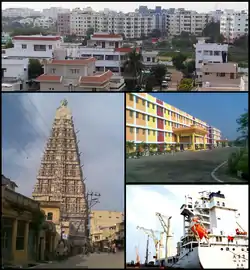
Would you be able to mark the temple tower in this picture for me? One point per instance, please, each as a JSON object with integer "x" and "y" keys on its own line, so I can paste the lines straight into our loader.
{"x": 60, "y": 178}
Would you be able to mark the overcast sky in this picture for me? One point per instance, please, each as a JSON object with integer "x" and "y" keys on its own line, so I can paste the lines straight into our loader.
{"x": 131, "y": 6}
{"x": 26, "y": 124}
{"x": 142, "y": 202}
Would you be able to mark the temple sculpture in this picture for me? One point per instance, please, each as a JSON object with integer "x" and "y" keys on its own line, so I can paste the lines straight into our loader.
{"x": 60, "y": 178}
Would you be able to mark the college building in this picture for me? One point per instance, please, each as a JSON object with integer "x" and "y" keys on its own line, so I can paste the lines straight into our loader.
{"x": 154, "y": 122}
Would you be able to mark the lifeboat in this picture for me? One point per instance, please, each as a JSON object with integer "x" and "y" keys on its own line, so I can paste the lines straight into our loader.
{"x": 238, "y": 232}
{"x": 198, "y": 229}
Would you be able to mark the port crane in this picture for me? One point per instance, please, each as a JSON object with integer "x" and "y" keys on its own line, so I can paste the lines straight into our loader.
{"x": 151, "y": 234}
{"x": 166, "y": 228}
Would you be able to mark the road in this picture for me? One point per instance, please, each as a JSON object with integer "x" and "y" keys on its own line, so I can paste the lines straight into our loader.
{"x": 182, "y": 167}
{"x": 102, "y": 260}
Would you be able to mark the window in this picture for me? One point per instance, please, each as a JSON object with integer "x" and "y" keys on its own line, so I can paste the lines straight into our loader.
{"x": 50, "y": 47}
{"x": 153, "y": 119}
{"x": 216, "y": 53}
{"x": 24, "y": 46}
{"x": 131, "y": 130}
{"x": 143, "y": 102}
{"x": 148, "y": 104}
{"x": 143, "y": 131}
{"x": 218, "y": 203}
{"x": 130, "y": 113}
{"x": 153, "y": 106}
{"x": 148, "y": 117}
{"x": 143, "y": 116}
{"x": 137, "y": 131}
{"x": 50, "y": 216}
{"x": 130, "y": 97}
{"x": 148, "y": 59}
{"x": 136, "y": 99}
{"x": 52, "y": 88}
{"x": 20, "y": 235}
{"x": 111, "y": 44}
{"x": 153, "y": 133}
{"x": 148, "y": 132}
{"x": 137, "y": 115}
{"x": 53, "y": 70}
{"x": 223, "y": 204}
{"x": 40, "y": 48}
{"x": 75, "y": 71}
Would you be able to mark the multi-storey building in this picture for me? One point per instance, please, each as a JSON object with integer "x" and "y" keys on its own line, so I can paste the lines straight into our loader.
{"x": 216, "y": 15}
{"x": 63, "y": 24}
{"x": 44, "y": 22}
{"x": 214, "y": 135}
{"x": 234, "y": 24}
{"x": 36, "y": 46}
{"x": 101, "y": 219}
{"x": 187, "y": 21}
{"x": 152, "y": 121}
{"x": 54, "y": 11}
{"x": 209, "y": 53}
{"x": 20, "y": 12}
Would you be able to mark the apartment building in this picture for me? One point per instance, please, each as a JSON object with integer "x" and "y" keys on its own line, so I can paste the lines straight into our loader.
{"x": 76, "y": 75}
{"x": 63, "y": 24}
{"x": 54, "y": 11}
{"x": 187, "y": 21}
{"x": 216, "y": 15}
{"x": 153, "y": 121}
{"x": 234, "y": 24}
{"x": 209, "y": 53}
{"x": 20, "y": 12}
{"x": 36, "y": 46}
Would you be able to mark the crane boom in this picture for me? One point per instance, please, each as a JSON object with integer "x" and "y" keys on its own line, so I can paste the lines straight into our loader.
{"x": 166, "y": 228}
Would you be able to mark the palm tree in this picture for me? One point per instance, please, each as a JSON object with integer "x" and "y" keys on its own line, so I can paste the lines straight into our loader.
{"x": 159, "y": 72}
{"x": 133, "y": 67}
{"x": 130, "y": 146}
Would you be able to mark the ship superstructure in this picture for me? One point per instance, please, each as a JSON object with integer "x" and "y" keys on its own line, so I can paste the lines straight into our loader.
{"x": 212, "y": 235}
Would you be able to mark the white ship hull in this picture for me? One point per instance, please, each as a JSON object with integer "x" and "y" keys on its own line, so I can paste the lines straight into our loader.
{"x": 212, "y": 257}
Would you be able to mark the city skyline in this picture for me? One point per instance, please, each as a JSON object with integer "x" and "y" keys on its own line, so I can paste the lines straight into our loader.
{"x": 207, "y": 108}
{"x": 131, "y": 6}
{"x": 143, "y": 201}
{"x": 27, "y": 126}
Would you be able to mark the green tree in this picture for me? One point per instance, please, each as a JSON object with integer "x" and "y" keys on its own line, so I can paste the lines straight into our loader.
{"x": 9, "y": 44}
{"x": 35, "y": 69}
{"x": 89, "y": 32}
{"x": 242, "y": 121}
{"x": 130, "y": 146}
{"x": 159, "y": 71}
{"x": 150, "y": 83}
{"x": 185, "y": 85}
{"x": 28, "y": 31}
{"x": 133, "y": 69}
{"x": 212, "y": 30}
{"x": 178, "y": 61}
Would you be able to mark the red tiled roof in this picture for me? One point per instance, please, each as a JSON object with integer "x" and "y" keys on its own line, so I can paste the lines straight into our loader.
{"x": 73, "y": 62}
{"x": 97, "y": 79}
{"x": 126, "y": 50}
{"x": 106, "y": 36}
{"x": 43, "y": 38}
{"x": 51, "y": 78}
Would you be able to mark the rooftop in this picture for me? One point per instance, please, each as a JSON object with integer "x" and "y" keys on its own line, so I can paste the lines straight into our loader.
{"x": 37, "y": 37}
{"x": 220, "y": 67}
{"x": 97, "y": 79}
{"x": 79, "y": 62}
{"x": 49, "y": 78}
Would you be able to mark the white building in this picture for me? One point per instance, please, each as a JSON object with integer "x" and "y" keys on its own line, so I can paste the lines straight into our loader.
{"x": 209, "y": 53}
{"x": 20, "y": 12}
{"x": 216, "y": 15}
{"x": 244, "y": 83}
{"x": 187, "y": 21}
{"x": 54, "y": 11}
{"x": 36, "y": 46}
{"x": 44, "y": 22}
{"x": 108, "y": 51}
{"x": 234, "y": 24}
{"x": 15, "y": 68}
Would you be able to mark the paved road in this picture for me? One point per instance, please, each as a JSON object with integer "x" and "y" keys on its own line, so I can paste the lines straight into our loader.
{"x": 192, "y": 167}
{"x": 102, "y": 260}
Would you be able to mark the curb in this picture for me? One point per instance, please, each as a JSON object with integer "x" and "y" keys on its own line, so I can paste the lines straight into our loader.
{"x": 215, "y": 170}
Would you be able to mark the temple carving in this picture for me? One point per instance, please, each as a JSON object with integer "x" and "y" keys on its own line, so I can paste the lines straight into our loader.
{"x": 60, "y": 177}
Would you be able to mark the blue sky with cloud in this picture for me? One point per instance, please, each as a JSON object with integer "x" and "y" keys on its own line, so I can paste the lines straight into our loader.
{"x": 143, "y": 201}
{"x": 26, "y": 124}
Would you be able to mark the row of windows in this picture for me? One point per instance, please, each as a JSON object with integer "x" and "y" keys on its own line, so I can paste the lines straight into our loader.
{"x": 149, "y": 132}
{"x": 168, "y": 112}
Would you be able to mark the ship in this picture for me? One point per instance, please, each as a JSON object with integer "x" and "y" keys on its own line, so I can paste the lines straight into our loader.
{"x": 212, "y": 236}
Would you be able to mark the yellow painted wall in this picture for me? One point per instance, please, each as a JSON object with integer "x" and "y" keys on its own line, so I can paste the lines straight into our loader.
{"x": 168, "y": 138}
{"x": 167, "y": 126}
{"x": 129, "y": 102}
{"x": 152, "y": 137}
{"x": 152, "y": 108}
{"x": 55, "y": 211}
{"x": 151, "y": 98}
{"x": 151, "y": 123}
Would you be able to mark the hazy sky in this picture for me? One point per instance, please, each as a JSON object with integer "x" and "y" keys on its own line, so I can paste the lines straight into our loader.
{"x": 26, "y": 124}
{"x": 143, "y": 201}
{"x": 131, "y": 6}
